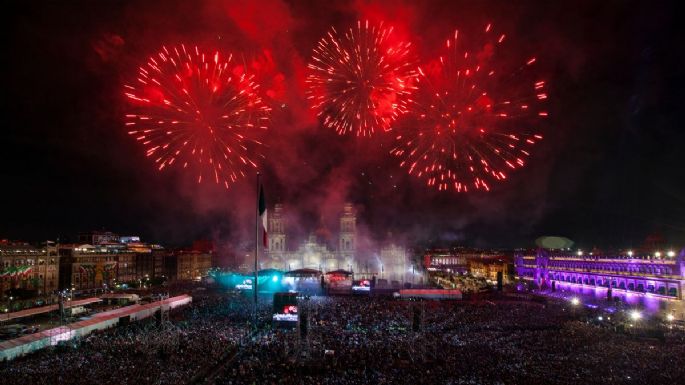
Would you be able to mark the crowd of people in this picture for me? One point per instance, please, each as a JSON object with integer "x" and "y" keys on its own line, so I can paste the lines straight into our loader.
{"x": 144, "y": 352}
{"x": 370, "y": 340}
{"x": 361, "y": 340}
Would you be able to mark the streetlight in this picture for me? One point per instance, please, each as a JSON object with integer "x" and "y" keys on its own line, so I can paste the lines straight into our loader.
{"x": 575, "y": 301}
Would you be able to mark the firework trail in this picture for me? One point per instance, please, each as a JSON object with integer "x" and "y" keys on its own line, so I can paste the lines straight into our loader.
{"x": 473, "y": 120}
{"x": 200, "y": 112}
{"x": 360, "y": 82}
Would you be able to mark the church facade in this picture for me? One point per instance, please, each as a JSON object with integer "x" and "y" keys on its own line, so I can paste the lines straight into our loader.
{"x": 313, "y": 253}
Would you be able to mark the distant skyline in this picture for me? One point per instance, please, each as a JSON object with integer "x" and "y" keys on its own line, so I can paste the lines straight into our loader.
{"x": 608, "y": 173}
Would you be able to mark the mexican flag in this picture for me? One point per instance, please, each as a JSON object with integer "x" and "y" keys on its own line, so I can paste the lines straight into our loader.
{"x": 14, "y": 271}
{"x": 24, "y": 270}
{"x": 262, "y": 213}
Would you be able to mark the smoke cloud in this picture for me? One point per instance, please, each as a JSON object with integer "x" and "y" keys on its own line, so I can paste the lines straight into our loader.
{"x": 309, "y": 168}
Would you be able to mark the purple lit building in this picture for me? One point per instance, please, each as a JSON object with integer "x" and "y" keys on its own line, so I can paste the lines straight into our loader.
{"x": 655, "y": 274}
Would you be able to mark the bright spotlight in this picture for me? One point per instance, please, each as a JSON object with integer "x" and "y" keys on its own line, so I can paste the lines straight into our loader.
{"x": 630, "y": 253}
{"x": 580, "y": 252}
{"x": 274, "y": 278}
{"x": 657, "y": 254}
{"x": 575, "y": 301}
{"x": 600, "y": 318}
{"x": 670, "y": 317}
{"x": 671, "y": 253}
{"x": 635, "y": 315}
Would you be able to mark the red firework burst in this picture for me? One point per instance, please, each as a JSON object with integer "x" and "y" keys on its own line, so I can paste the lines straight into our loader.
{"x": 473, "y": 119}
{"x": 199, "y": 111}
{"x": 361, "y": 81}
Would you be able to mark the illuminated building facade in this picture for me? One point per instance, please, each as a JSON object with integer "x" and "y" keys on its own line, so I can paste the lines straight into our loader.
{"x": 276, "y": 229}
{"x": 656, "y": 274}
{"x": 454, "y": 260}
{"x": 462, "y": 260}
{"x": 315, "y": 252}
{"x": 489, "y": 268}
{"x": 191, "y": 264}
{"x": 158, "y": 256}
{"x": 87, "y": 267}
{"x": 113, "y": 260}
{"x": 444, "y": 260}
{"x": 348, "y": 234}
{"x": 28, "y": 267}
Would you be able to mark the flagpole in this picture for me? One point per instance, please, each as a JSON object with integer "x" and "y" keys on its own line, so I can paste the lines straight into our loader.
{"x": 256, "y": 249}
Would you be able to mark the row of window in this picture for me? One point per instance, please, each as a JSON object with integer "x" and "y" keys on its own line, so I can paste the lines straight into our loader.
{"x": 632, "y": 286}
{"x": 645, "y": 269}
{"x": 26, "y": 262}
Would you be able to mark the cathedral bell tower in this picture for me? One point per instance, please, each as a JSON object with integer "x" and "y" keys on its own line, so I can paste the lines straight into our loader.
{"x": 348, "y": 233}
{"x": 277, "y": 231}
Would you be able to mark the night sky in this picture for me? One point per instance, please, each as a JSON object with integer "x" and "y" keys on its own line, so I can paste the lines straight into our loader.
{"x": 608, "y": 173}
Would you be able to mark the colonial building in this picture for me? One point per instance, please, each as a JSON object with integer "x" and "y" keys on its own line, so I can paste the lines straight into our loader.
{"x": 159, "y": 256}
{"x": 488, "y": 268}
{"x": 86, "y": 267}
{"x": 348, "y": 234}
{"x": 190, "y": 264}
{"x": 445, "y": 260}
{"x": 316, "y": 252}
{"x": 95, "y": 266}
{"x": 660, "y": 274}
{"x": 462, "y": 260}
{"x": 28, "y": 267}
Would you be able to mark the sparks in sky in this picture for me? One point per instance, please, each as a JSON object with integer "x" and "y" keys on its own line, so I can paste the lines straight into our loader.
{"x": 474, "y": 118}
{"x": 198, "y": 111}
{"x": 360, "y": 82}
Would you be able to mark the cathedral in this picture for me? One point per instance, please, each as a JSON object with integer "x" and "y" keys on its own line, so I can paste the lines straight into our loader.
{"x": 320, "y": 251}
{"x": 316, "y": 252}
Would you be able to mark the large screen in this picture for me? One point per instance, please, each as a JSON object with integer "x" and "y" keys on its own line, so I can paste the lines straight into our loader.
{"x": 285, "y": 308}
{"x": 287, "y": 314}
{"x": 362, "y": 286}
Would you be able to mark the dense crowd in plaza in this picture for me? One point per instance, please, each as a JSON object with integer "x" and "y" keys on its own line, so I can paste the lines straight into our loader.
{"x": 145, "y": 352}
{"x": 360, "y": 340}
